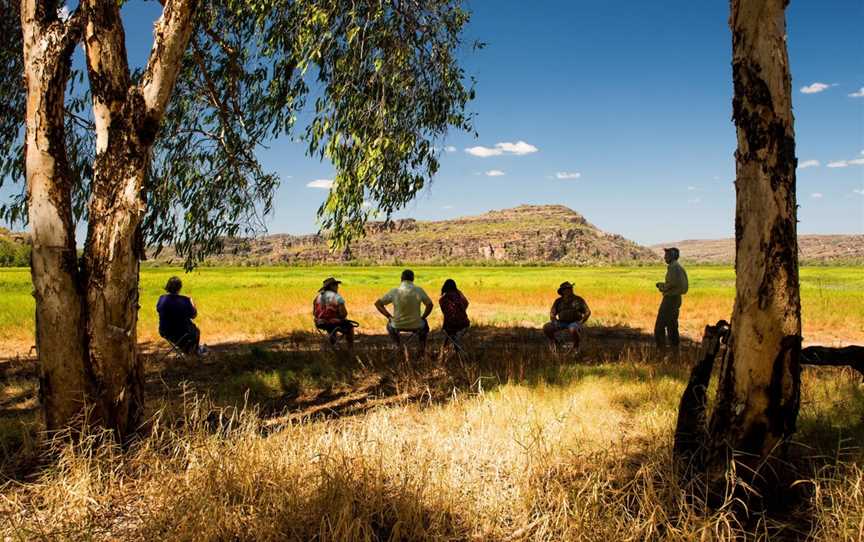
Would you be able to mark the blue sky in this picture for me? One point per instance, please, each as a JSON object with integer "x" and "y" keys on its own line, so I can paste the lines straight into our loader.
{"x": 630, "y": 104}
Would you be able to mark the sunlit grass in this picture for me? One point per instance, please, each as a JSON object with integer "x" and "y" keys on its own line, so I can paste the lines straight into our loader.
{"x": 256, "y": 303}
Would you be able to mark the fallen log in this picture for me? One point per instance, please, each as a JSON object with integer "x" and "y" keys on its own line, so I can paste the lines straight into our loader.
{"x": 849, "y": 356}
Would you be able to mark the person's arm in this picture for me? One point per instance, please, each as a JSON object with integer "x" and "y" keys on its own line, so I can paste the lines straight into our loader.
{"x": 587, "y": 313}
{"x": 464, "y": 301}
{"x": 380, "y": 305}
{"x": 193, "y": 312}
{"x": 342, "y": 310}
{"x": 427, "y": 301}
{"x": 553, "y": 313}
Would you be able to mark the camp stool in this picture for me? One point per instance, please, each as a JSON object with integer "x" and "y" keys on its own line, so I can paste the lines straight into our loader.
{"x": 173, "y": 349}
{"x": 331, "y": 338}
{"x": 456, "y": 340}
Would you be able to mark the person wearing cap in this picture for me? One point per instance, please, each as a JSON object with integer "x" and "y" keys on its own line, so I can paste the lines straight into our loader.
{"x": 675, "y": 286}
{"x": 330, "y": 313}
{"x": 406, "y": 300}
{"x": 176, "y": 313}
{"x": 568, "y": 312}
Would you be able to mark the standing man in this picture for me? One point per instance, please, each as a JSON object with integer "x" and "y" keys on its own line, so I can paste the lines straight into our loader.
{"x": 675, "y": 285}
{"x": 406, "y": 301}
{"x": 330, "y": 313}
{"x": 568, "y": 312}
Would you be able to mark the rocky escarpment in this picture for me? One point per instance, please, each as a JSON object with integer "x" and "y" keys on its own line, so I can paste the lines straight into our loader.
{"x": 525, "y": 234}
{"x": 812, "y": 249}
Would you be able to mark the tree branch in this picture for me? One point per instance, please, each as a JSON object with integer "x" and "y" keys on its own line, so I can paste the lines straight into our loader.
{"x": 173, "y": 31}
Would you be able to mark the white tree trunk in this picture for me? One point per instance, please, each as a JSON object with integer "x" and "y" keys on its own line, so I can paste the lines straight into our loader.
{"x": 86, "y": 320}
{"x": 758, "y": 394}
{"x": 60, "y": 341}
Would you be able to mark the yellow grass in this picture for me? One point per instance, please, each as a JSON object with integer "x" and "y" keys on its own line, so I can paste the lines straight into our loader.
{"x": 581, "y": 453}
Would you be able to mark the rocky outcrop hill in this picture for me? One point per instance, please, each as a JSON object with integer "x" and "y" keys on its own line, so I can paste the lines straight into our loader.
{"x": 812, "y": 249}
{"x": 524, "y": 234}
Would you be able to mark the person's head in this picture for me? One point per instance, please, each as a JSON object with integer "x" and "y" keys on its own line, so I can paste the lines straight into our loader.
{"x": 174, "y": 285}
{"x": 408, "y": 275}
{"x": 566, "y": 289}
{"x": 671, "y": 254}
{"x": 331, "y": 284}
{"x": 449, "y": 286}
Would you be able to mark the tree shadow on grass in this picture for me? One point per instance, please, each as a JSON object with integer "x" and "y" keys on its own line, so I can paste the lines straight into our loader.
{"x": 298, "y": 375}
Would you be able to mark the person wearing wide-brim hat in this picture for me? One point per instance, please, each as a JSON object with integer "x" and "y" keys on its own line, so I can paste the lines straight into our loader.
{"x": 330, "y": 312}
{"x": 569, "y": 312}
{"x": 676, "y": 285}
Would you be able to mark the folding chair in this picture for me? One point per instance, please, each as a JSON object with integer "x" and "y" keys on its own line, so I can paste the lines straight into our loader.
{"x": 331, "y": 338}
{"x": 568, "y": 345}
{"x": 456, "y": 340}
{"x": 173, "y": 349}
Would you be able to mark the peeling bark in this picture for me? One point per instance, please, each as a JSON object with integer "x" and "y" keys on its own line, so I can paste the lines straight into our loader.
{"x": 759, "y": 377}
{"x": 60, "y": 340}
{"x": 87, "y": 318}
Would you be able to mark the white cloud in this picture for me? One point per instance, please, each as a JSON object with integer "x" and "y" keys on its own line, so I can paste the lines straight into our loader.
{"x": 691, "y": 188}
{"x": 694, "y": 201}
{"x": 815, "y": 87}
{"x": 447, "y": 207}
{"x": 858, "y": 94}
{"x": 494, "y": 173}
{"x": 846, "y": 163}
{"x": 450, "y": 148}
{"x": 860, "y": 192}
{"x": 567, "y": 175}
{"x": 518, "y": 149}
{"x": 808, "y": 163}
{"x": 816, "y": 195}
{"x": 321, "y": 183}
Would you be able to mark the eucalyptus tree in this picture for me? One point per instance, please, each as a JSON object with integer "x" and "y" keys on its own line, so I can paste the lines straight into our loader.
{"x": 167, "y": 153}
{"x": 759, "y": 375}
{"x": 759, "y": 379}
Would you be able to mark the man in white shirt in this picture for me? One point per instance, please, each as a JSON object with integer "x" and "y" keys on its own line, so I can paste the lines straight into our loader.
{"x": 406, "y": 301}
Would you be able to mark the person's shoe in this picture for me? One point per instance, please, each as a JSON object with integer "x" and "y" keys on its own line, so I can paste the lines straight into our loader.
{"x": 203, "y": 350}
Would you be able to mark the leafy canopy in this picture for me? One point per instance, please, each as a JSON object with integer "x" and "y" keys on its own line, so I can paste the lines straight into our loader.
{"x": 382, "y": 78}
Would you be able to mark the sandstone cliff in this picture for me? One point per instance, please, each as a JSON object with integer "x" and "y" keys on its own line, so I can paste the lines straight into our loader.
{"x": 524, "y": 234}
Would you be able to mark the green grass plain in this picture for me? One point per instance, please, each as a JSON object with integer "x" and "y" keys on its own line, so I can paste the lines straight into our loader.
{"x": 237, "y": 303}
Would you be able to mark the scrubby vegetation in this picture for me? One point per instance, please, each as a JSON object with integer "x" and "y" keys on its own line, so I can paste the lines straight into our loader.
{"x": 517, "y": 445}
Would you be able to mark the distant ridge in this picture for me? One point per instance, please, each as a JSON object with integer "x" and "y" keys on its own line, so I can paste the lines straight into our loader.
{"x": 812, "y": 249}
{"x": 522, "y": 235}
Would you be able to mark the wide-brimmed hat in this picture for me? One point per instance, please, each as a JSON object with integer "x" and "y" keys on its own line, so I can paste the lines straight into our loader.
{"x": 564, "y": 286}
{"x": 328, "y": 282}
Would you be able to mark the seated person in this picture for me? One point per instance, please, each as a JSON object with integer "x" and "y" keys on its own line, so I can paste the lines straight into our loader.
{"x": 454, "y": 306}
{"x": 406, "y": 300}
{"x": 568, "y": 312}
{"x": 176, "y": 313}
{"x": 330, "y": 312}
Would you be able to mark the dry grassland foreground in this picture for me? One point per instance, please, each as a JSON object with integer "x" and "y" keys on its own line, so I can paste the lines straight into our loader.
{"x": 567, "y": 452}
{"x": 275, "y": 438}
{"x": 237, "y": 304}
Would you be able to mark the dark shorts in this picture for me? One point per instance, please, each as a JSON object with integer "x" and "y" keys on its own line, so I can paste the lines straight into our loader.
{"x": 345, "y": 326}
{"x": 561, "y": 326}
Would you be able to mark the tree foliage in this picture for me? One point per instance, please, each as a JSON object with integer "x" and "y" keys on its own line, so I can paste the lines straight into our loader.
{"x": 383, "y": 78}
